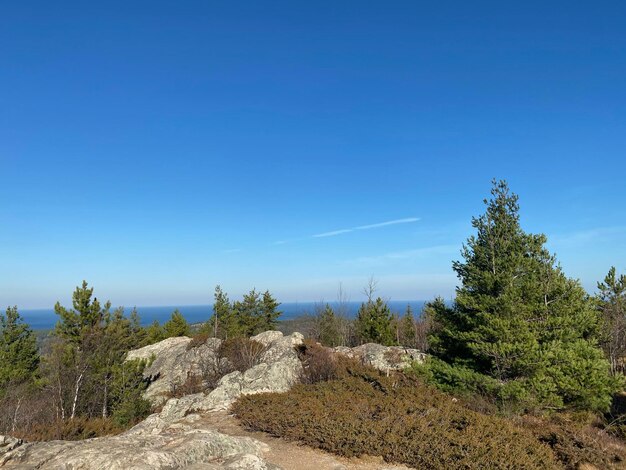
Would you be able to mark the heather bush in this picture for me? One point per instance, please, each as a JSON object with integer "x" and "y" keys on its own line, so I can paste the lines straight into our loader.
{"x": 198, "y": 340}
{"x": 576, "y": 444}
{"x": 396, "y": 418}
{"x": 321, "y": 364}
{"x": 241, "y": 353}
{"x": 71, "y": 429}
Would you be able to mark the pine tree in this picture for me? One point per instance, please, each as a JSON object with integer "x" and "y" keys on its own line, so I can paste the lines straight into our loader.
{"x": 138, "y": 333}
{"x": 518, "y": 319}
{"x": 373, "y": 323}
{"x": 222, "y": 323}
{"x": 328, "y": 327}
{"x": 612, "y": 304}
{"x": 176, "y": 326}
{"x": 19, "y": 357}
{"x": 269, "y": 313}
{"x": 154, "y": 333}
{"x": 248, "y": 313}
{"x": 407, "y": 328}
{"x": 79, "y": 334}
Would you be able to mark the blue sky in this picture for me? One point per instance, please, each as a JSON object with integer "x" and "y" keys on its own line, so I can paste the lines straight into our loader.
{"x": 159, "y": 148}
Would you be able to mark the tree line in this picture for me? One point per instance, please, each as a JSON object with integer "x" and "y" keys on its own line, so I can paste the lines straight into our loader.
{"x": 79, "y": 375}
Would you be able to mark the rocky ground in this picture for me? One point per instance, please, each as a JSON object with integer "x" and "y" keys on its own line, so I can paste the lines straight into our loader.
{"x": 195, "y": 431}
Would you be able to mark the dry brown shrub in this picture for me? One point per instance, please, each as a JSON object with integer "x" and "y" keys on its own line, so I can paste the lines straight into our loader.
{"x": 396, "y": 418}
{"x": 577, "y": 443}
{"x": 71, "y": 429}
{"x": 193, "y": 384}
{"x": 321, "y": 364}
{"x": 198, "y": 340}
{"x": 241, "y": 353}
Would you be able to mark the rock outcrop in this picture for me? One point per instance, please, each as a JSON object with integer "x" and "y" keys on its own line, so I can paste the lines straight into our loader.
{"x": 175, "y": 437}
{"x": 179, "y": 445}
{"x": 278, "y": 370}
{"x": 383, "y": 358}
{"x": 171, "y": 361}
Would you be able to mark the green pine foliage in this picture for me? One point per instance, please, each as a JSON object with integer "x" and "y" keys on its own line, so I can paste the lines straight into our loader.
{"x": 373, "y": 323}
{"x": 222, "y": 323}
{"x": 127, "y": 388}
{"x": 519, "y": 320}
{"x": 253, "y": 314}
{"x": 176, "y": 326}
{"x": 154, "y": 333}
{"x": 87, "y": 355}
{"x": 611, "y": 300}
{"x": 269, "y": 313}
{"x": 328, "y": 325}
{"x": 19, "y": 357}
{"x": 406, "y": 327}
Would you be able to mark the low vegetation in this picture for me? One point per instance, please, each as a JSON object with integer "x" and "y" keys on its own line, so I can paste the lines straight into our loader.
{"x": 349, "y": 409}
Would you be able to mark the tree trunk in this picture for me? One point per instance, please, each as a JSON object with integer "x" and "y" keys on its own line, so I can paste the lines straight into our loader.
{"x": 79, "y": 382}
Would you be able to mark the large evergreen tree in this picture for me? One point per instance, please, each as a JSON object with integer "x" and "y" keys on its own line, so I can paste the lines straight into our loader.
{"x": 518, "y": 319}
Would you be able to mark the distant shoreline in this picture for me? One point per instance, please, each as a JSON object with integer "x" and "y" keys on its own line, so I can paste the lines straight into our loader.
{"x": 45, "y": 319}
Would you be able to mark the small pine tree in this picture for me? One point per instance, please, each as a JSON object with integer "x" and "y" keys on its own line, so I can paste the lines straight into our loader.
{"x": 407, "y": 328}
{"x": 328, "y": 326}
{"x": 138, "y": 333}
{"x": 154, "y": 333}
{"x": 19, "y": 357}
{"x": 247, "y": 313}
{"x": 176, "y": 326}
{"x": 612, "y": 305}
{"x": 269, "y": 313}
{"x": 129, "y": 405}
{"x": 222, "y": 323}
{"x": 373, "y": 323}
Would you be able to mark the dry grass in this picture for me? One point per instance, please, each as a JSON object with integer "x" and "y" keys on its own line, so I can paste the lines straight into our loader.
{"x": 71, "y": 429}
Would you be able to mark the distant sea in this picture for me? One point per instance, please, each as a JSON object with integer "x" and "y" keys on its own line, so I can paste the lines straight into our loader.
{"x": 45, "y": 319}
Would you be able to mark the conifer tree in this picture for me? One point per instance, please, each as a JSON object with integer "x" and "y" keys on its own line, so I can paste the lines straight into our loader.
{"x": 269, "y": 312}
{"x": 407, "y": 328}
{"x": 138, "y": 333}
{"x": 222, "y": 323}
{"x": 79, "y": 334}
{"x": 19, "y": 357}
{"x": 518, "y": 319}
{"x": 373, "y": 322}
{"x": 176, "y": 326}
{"x": 246, "y": 313}
{"x": 328, "y": 326}
{"x": 154, "y": 333}
{"x": 612, "y": 304}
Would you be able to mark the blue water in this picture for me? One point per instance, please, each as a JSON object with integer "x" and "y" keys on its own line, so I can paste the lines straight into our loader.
{"x": 44, "y": 319}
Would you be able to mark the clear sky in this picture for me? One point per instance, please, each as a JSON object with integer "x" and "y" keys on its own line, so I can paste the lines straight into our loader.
{"x": 158, "y": 148}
